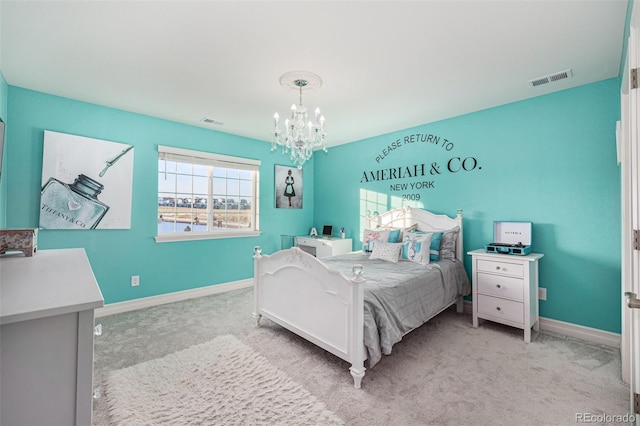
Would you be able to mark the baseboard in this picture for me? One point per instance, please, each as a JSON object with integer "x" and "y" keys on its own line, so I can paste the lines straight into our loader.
{"x": 581, "y": 332}
{"x": 147, "y": 302}
{"x": 568, "y": 329}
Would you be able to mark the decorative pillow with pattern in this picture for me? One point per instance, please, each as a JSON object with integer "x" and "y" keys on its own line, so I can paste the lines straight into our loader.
{"x": 389, "y": 252}
{"x": 416, "y": 247}
{"x": 434, "y": 247}
{"x": 371, "y": 236}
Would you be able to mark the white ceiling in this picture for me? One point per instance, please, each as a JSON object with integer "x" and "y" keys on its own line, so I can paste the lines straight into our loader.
{"x": 385, "y": 65}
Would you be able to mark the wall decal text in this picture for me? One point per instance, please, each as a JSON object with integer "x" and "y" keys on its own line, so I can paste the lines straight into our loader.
{"x": 412, "y": 139}
{"x": 422, "y": 175}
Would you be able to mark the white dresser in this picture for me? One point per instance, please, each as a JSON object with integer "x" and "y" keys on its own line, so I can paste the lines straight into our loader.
{"x": 324, "y": 247}
{"x": 47, "y": 307}
{"x": 505, "y": 289}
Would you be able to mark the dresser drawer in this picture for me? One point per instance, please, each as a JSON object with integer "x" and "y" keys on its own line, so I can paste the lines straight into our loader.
{"x": 507, "y": 310}
{"x": 501, "y": 267}
{"x": 501, "y": 286}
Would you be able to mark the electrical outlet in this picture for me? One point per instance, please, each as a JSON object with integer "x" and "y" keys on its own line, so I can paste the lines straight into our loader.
{"x": 135, "y": 280}
{"x": 542, "y": 293}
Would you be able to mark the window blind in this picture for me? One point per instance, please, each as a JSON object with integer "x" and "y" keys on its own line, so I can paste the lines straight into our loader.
{"x": 206, "y": 158}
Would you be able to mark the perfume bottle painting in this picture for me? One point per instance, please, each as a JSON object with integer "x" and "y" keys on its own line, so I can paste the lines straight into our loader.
{"x": 86, "y": 183}
{"x": 71, "y": 206}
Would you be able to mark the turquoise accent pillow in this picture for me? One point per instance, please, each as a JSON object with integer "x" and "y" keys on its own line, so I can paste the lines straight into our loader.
{"x": 434, "y": 249}
{"x": 394, "y": 235}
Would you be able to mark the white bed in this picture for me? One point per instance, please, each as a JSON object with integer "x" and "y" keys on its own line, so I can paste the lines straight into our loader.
{"x": 324, "y": 302}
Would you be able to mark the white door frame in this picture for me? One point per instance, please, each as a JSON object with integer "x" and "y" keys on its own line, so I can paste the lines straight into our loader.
{"x": 623, "y": 145}
{"x": 628, "y": 136}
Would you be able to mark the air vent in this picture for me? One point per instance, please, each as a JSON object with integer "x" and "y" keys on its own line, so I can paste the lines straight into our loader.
{"x": 551, "y": 78}
{"x": 212, "y": 121}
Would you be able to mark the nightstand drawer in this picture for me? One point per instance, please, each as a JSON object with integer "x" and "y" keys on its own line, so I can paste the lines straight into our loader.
{"x": 500, "y": 267}
{"x": 498, "y": 285}
{"x": 501, "y": 308}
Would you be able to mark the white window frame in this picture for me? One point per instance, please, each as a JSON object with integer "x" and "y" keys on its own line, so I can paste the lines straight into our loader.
{"x": 219, "y": 160}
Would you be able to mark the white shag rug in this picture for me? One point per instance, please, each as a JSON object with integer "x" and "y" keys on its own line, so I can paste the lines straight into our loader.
{"x": 221, "y": 382}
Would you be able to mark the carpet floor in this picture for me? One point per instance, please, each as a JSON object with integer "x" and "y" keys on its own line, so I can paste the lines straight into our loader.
{"x": 444, "y": 373}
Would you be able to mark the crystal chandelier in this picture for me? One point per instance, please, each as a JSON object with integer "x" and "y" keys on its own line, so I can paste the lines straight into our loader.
{"x": 300, "y": 135}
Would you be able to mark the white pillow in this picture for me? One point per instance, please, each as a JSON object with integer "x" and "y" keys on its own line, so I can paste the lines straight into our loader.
{"x": 386, "y": 251}
{"x": 416, "y": 247}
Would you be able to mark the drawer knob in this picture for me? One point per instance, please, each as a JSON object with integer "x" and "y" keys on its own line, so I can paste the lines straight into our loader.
{"x": 498, "y": 285}
{"x": 497, "y": 308}
{"x": 497, "y": 268}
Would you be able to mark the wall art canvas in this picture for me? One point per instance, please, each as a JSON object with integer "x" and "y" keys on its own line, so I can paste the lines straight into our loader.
{"x": 288, "y": 187}
{"x": 86, "y": 183}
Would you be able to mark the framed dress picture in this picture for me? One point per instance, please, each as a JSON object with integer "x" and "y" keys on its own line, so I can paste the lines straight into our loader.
{"x": 288, "y": 187}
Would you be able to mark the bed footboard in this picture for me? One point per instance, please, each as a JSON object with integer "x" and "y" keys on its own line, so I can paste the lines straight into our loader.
{"x": 299, "y": 292}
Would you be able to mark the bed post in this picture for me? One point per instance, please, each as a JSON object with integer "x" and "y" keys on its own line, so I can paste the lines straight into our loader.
{"x": 460, "y": 257}
{"x": 357, "y": 327}
{"x": 257, "y": 255}
{"x": 459, "y": 251}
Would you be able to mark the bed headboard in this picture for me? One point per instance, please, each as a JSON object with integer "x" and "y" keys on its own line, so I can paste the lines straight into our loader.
{"x": 406, "y": 216}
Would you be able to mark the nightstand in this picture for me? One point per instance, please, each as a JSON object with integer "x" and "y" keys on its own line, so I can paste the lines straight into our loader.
{"x": 505, "y": 289}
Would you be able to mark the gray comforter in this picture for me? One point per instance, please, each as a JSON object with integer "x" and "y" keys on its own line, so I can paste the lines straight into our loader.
{"x": 399, "y": 297}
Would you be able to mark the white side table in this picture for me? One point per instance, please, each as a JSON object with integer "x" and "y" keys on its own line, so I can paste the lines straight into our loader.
{"x": 505, "y": 289}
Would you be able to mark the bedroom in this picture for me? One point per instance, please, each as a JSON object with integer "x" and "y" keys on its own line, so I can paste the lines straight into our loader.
{"x": 550, "y": 159}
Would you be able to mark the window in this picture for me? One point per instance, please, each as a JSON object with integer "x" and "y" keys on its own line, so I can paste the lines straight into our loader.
{"x": 203, "y": 195}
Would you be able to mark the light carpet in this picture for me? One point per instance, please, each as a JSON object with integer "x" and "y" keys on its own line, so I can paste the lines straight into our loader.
{"x": 221, "y": 382}
{"x": 444, "y": 373}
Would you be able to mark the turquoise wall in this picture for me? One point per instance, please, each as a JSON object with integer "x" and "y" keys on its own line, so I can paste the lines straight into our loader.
{"x": 115, "y": 255}
{"x": 550, "y": 160}
{"x": 3, "y": 185}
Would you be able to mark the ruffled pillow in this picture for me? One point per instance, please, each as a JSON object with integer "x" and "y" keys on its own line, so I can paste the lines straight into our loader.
{"x": 389, "y": 252}
{"x": 448, "y": 243}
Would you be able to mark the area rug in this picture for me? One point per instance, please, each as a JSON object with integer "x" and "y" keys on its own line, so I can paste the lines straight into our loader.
{"x": 221, "y": 382}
